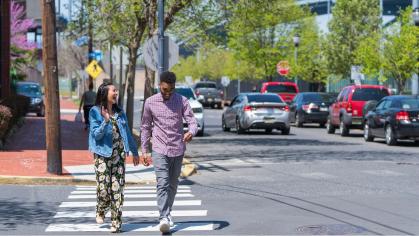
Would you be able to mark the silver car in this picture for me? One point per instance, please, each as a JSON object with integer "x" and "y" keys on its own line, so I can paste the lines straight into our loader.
{"x": 257, "y": 111}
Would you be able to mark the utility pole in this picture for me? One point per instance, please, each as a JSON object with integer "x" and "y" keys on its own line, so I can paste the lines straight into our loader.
{"x": 52, "y": 101}
{"x": 121, "y": 86}
{"x": 161, "y": 37}
{"x": 110, "y": 62}
{"x": 5, "y": 48}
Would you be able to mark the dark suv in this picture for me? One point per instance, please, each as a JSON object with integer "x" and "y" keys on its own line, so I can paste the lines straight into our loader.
{"x": 347, "y": 111}
{"x": 208, "y": 94}
{"x": 33, "y": 91}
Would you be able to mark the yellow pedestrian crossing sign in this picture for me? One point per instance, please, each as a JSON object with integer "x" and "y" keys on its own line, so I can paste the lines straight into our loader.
{"x": 93, "y": 69}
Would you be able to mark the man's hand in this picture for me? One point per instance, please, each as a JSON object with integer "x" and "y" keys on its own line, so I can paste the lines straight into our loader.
{"x": 187, "y": 137}
{"x": 145, "y": 160}
{"x": 136, "y": 160}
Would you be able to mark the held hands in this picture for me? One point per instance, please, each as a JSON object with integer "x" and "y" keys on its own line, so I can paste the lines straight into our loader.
{"x": 146, "y": 160}
{"x": 187, "y": 137}
{"x": 136, "y": 160}
{"x": 105, "y": 114}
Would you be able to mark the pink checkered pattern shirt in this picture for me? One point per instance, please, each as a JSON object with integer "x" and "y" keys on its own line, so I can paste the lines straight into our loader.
{"x": 163, "y": 120}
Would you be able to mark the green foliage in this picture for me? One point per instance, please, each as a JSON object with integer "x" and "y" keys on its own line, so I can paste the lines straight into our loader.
{"x": 397, "y": 55}
{"x": 259, "y": 30}
{"x": 352, "y": 22}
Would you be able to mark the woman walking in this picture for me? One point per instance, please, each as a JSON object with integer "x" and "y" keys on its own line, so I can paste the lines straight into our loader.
{"x": 110, "y": 141}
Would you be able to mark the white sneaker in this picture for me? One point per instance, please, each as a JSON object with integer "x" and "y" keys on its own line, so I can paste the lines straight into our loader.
{"x": 170, "y": 219}
{"x": 164, "y": 226}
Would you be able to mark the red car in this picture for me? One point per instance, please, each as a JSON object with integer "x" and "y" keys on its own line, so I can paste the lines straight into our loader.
{"x": 286, "y": 90}
{"x": 347, "y": 111}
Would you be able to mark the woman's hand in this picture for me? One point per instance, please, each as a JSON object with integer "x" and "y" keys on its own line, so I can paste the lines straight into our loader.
{"x": 105, "y": 114}
{"x": 136, "y": 160}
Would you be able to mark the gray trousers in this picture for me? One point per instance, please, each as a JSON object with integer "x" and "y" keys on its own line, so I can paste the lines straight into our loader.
{"x": 167, "y": 175}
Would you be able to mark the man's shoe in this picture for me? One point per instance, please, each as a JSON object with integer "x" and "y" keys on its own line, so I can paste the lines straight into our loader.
{"x": 115, "y": 230}
{"x": 164, "y": 226}
{"x": 170, "y": 219}
{"x": 100, "y": 218}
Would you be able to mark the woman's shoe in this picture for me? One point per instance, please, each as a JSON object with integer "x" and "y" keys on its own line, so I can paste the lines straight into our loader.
{"x": 100, "y": 218}
{"x": 115, "y": 230}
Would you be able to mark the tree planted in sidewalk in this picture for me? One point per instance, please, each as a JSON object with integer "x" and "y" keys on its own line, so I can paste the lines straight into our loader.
{"x": 397, "y": 55}
{"x": 352, "y": 22}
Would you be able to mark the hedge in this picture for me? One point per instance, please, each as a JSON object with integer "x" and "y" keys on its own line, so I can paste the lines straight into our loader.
{"x": 11, "y": 110}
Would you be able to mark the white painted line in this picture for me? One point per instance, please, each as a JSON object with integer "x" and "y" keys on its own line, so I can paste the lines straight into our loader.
{"x": 149, "y": 214}
{"x": 317, "y": 175}
{"x": 131, "y": 187}
{"x": 88, "y": 191}
{"x": 133, "y": 203}
{"x": 149, "y": 195}
{"x": 143, "y": 227}
{"x": 383, "y": 172}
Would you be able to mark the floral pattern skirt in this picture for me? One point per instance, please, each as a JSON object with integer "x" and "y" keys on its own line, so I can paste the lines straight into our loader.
{"x": 110, "y": 177}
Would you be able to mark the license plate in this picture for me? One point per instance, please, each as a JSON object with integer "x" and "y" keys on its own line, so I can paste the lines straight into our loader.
{"x": 269, "y": 121}
{"x": 324, "y": 109}
{"x": 209, "y": 99}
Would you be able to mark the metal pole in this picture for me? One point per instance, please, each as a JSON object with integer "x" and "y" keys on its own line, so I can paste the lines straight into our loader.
{"x": 296, "y": 63}
{"x": 5, "y": 48}
{"x": 52, "y": 101}
{"x": 121, "y": 88}
{"x": 161, "y": 37}
{"x": 238, "y": 86}
{"x": 110, "y": 61}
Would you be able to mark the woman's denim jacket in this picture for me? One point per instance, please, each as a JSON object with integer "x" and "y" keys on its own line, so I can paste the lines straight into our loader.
{"x": 100, "y": 135}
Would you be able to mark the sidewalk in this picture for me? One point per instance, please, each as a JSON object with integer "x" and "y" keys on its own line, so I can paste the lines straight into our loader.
{"x": 25, "y": 154}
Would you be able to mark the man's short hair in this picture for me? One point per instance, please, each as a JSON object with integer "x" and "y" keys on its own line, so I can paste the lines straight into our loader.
{"x": 168, "y": 77}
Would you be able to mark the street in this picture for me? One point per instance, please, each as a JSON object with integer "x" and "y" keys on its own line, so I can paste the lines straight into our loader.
{"x": 307, "y": 182}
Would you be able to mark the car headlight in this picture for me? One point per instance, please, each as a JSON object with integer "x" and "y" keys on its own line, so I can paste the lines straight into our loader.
{"x": 197, "y": 110}
{"x": 36, "y": 100}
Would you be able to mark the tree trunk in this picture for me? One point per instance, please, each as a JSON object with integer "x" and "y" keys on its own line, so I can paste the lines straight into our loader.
{"x": 131, "y": 85}
{"x": 400, "y": 84}
{"x": 149, "y": 85}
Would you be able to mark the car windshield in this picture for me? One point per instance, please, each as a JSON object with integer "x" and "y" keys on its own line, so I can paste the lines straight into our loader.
{"x": 260, "y": 98}
{"x": 318, "y": 97}
{"x": 186, "y": 92}
{"x": 206, "y": 85}
{"x": 281, "y": 88}
{"x": 367, "y": 94}
{"x": 28, "y": 89}
{"x": 408, "y": 103}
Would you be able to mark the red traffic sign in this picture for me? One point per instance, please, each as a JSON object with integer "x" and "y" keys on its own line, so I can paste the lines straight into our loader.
{"x": 283, "y": 68}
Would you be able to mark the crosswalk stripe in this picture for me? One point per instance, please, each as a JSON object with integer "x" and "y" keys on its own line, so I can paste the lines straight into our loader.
{"x": 128, "y": 191}
{"x": 150, "y": 195}
{"x": 92, "y": 214}
{"x": 132, "y": 203}
{"x": 130, "y": 187}
{"x": 141, "y": 227}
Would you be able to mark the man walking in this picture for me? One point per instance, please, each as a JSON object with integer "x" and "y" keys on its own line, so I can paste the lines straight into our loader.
{"x": 87, "y": 102}
{"x": 163, "y": 120}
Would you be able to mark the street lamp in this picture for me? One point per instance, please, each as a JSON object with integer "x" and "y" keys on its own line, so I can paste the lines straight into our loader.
{"x": 296, "y": 40}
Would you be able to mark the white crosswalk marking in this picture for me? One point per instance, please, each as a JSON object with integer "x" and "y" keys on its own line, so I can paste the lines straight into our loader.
{"x": 140, "y": 202}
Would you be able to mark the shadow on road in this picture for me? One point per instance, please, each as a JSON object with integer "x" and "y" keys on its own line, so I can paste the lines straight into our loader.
{"x": 18, "y": 213}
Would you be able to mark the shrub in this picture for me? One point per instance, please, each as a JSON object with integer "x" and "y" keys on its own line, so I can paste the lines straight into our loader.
{"x": 5, "y": 117}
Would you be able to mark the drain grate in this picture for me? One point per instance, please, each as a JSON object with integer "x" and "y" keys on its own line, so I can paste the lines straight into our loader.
{"x": 332, "y": 229}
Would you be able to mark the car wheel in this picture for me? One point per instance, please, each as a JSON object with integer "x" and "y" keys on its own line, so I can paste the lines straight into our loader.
{"x": 344, "y": 130}
{"x": 268, "y": 131}
{"x": 41, "y": 113}
{"x": 329, "y": 127}
{"x": 223, "y": 124}
{"x": 286, "y": 131}
{"x": 368, "y": 137}
{"x": 390, "y": 138}
{"x": 239, "y": 129}
{"x": 201, "y": 132}
{"x": 219, "y": 106}
{"x": 322, "y": 125}
{"x": 298, "y": 121}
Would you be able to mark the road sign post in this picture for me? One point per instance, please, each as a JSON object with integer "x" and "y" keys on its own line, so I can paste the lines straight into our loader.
{"x": 93, "y": 69}
{"x": 283, "y": 68}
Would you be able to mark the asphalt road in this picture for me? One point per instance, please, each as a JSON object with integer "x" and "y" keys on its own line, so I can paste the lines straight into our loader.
{"x": 308, "y": 182}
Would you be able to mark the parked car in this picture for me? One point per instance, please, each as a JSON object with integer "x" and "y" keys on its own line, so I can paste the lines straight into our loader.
{"x": 257, "y": 111}
{"x": 33, "y": 91}
{"x": 311, "y": 107}
{"x": 394, "y": 118}
{"x": 286, "y": 90}
{"x": 347, "y": 111}
{"x": 196, "y": 106}
{"x": 209, "y": 94}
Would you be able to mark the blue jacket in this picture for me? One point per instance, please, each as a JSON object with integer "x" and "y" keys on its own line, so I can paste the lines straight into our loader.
{"x": 100, "y": 135}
